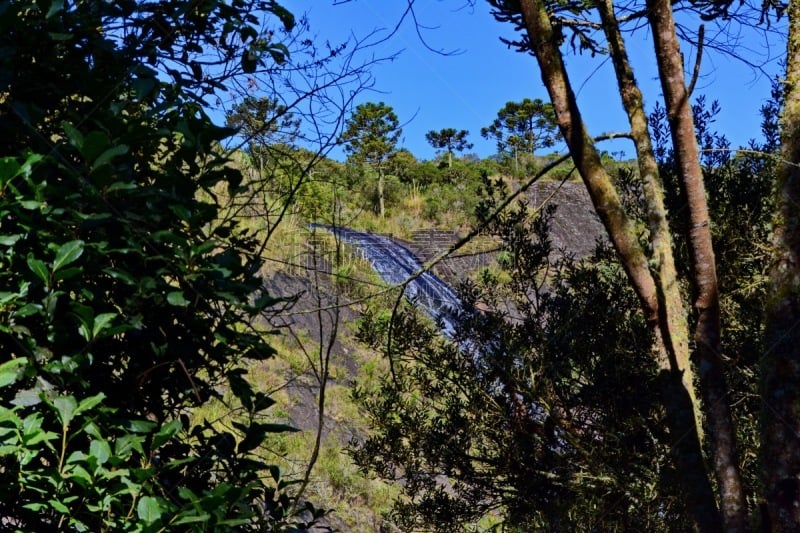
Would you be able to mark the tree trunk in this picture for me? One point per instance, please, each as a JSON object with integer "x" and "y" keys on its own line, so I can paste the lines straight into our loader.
{"x": 381, "y": 206}
{"x": 662, "y": 259}
{"x": 516, "y": 159}
{"x": 704, "y": 274}
{"x": 678, "y": 387}
{"x": 781, "y": 368}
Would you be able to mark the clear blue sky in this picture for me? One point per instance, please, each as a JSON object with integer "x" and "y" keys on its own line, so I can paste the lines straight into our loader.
{"x": 465, "y": 89}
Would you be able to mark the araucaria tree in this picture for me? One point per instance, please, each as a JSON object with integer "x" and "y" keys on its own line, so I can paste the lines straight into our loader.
{"x": 522, "y": 128}
{"x": 263, "y": 121}
{"x": 450, "y": 140}
{"x": 370, "y": 137}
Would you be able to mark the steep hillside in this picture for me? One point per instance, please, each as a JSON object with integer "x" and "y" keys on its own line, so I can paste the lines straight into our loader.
{"x": 319, "y": 328}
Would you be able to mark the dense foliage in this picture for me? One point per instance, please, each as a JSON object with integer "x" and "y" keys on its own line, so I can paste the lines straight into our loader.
{"x": 544, "y": 411}
{"x": 124, "y": 298}
{"x": 515, "y": 422}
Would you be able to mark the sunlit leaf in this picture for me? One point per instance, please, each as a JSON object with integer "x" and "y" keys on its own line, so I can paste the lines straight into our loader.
{"x": 67, "y": 253}
{"x": 148, "y": 509}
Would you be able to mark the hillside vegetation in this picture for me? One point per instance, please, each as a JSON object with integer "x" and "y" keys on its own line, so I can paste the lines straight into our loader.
{"x": 186, "y": 346}
{"x": 537, "y": 245}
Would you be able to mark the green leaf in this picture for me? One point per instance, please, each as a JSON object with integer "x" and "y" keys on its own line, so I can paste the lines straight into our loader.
{"x": 89, "y": 403}
{"x": 65, "y": 409}
{"x": 253, "y": 438}
{"x": 55, "y": 7}
{"x": 11, "y": 370}
{"x": 9, "y": 169}
{"x": 242, "y": 389}
{"x": 91, "y": 428}
{"x": 261, "y": 402}
{"x": 9, "y": 240}
{"x": 167, "y": 431}
{"x": 275, "y": 472}
{"x": 285, "y": 16}
{"x": 109, "y": 154}
{"x": 120, "y": 275}
{"x": 77, "y": 457}
{"x": 80, "y": 475}
{"x": 176, "y": 298}
{"x": 85, "y": 316}
{"x": 149, "y": 509}
{"x": 6, "y": 297}
{"x": 277, "y": 54}
{"x": 233, "y": 523}
{"x": 140, "y": 426}
{"x": 121, "y": 186}
{"x": 66, "y": 273}
{"x": 102, "y": 321}
{"x": 27, "y": 166}
{"x": 100, "y": 450}
{"x": 27, "y": 310}
{"x": 191, "y": 519}
{"x": 35, "y": 507}
{"x": 27, "y": 398}
{"x": 58, "y": 506}
{"x": 127, "y": 444}
{"x": 187, "y": 494}
{"x": 95, "y": 144}
{"x": 38, "y": 267}
{"x": 73, "y": 135}
{"x": 30, "y": 205}
{"x": 68, "y": 253}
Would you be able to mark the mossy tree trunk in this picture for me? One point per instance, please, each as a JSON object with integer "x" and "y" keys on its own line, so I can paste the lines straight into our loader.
{"x": 781, "y": 370}
{"x": 702, "y": 264}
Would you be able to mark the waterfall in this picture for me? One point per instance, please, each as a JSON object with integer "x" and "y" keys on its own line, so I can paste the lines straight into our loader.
{"x": 395, "y": 264}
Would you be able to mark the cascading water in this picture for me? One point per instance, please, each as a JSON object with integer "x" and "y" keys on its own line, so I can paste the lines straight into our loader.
{"x": 395, "y": 264}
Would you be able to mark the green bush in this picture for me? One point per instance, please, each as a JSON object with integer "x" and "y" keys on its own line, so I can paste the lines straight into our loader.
{"x": 124, "y": 299}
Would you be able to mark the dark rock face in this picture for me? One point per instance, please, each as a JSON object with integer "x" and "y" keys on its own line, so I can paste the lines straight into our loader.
{"x": 575, "y": 230}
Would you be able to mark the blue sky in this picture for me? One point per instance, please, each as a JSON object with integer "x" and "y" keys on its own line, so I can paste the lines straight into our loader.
{"x": 465, "y": 89}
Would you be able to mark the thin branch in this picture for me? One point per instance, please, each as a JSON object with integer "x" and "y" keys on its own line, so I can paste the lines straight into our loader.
{"x": 696, "y": 71}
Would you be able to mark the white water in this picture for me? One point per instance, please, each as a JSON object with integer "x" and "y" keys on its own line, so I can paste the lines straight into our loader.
{"x": 395, "y": 264}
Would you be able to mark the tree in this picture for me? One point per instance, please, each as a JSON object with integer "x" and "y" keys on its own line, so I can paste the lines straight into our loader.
{"x": 450, "y": 140}
{"x": 127, "y": 300}
{"x": 370, "y": 136}
{"x": 522, "y": 127}
{"x": 507, "y": 413}
{"x": 661, "y": 300}
{"x": 781, "y": 411}
{"x": 263, "y": 121}
{"x": 403, "y": 164}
